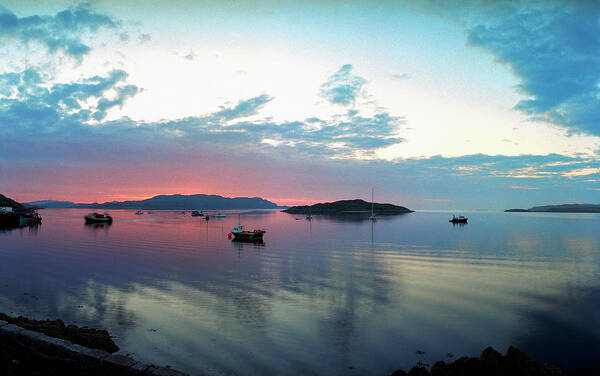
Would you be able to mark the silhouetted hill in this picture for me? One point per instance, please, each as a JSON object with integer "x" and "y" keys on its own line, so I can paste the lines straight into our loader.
{"x": 171, "y": 202}
{"x": 348, "y": 206}
{"x": 5, "y": 201}
{"x": 50, "y": 204}
{"x": 565, "y": 208}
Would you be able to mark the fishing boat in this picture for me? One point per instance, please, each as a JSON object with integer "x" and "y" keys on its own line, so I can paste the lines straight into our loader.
{"x": 239, "y": 234}
{"x": 98, "y": 218}
{"x": 372, "y": 217}
{"x": 459, "y": 219}
{"x": 197, "y": 213}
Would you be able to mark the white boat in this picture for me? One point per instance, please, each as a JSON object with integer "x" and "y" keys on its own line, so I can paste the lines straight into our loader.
{"x": 372, "y": 217}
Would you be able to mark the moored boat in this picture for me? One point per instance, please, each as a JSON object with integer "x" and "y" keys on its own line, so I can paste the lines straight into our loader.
{"x": 219, "y": 215}
{"x": 139, "y": 212}
{"x": 29, "y": 217}
{"x": 239, "y": 234}
{"x": 459, "y": 219}
{"x": 98, "y": 218}
{"x": 197, "y": 213}
{"x": 372, "y": 217}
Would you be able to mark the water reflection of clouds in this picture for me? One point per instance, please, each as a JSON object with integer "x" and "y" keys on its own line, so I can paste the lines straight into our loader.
{"x": 567, "y": 331}
{"x": 178, "y": 292}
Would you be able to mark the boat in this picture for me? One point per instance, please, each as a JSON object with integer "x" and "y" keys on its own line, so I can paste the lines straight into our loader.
{"x": 98, "y": 218}
{"x": 241, "y": 235}
{"x": 372, "y": 217}
{"x": 19, "y": 218}
{"x": 459, "y": 219}
{"x": 29, "y": 217}
{"x": 139, "y": 212}
{"x": 220, "y": 215}
{"x": 197, "y": 213}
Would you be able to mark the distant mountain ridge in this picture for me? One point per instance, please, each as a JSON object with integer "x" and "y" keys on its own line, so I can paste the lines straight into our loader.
{"x": 170, "y": 202}
{"x": 348, "y": 206}
{"x": 565, "y": 208}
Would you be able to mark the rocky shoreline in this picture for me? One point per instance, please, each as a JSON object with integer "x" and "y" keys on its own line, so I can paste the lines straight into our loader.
{"x": 25, "y": 352}
{"x": 89, "y": 337}
{"x": 490, "y": 363}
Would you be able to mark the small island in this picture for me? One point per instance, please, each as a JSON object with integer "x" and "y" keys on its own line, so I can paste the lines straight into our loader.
{"x": 565, "y": 208}
{"x": 343, "y": 207}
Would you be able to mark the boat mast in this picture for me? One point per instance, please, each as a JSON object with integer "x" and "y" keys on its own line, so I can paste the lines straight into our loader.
{"x": 372, "y": 201}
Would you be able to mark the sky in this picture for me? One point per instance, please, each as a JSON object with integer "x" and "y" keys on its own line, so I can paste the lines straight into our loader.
{"x": 435, "y": 105}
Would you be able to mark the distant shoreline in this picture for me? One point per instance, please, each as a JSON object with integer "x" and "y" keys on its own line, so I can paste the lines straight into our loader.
{"x": 167, "y": 202}
{"x": 565, "y": 208}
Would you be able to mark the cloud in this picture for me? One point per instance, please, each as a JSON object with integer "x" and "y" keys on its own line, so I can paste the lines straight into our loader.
{"x": 28, "y": 103}
{"x": 62, "y": 32}
{"x": 586, "y": 171}
{"x": 402, "y": 76}
{"x": 342, "y": 87}
{"x": 144, "y": 38}
{"x": 553, "y": 49}
{"x": 243, "y": 108}
{"x": 523, "y": 188}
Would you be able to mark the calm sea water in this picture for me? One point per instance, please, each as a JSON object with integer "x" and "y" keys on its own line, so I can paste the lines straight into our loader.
{"x": 331, "y": 296}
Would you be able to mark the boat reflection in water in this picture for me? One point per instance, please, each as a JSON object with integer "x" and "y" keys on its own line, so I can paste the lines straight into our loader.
{"x": 97, "y": 225}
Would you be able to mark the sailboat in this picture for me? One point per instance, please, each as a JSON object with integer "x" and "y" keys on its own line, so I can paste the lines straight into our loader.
{"x": 372, "y": 217}
{"x": 309, "y": 216}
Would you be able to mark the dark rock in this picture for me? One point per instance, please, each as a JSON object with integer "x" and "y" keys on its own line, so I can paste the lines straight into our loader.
{"x": 440, "y": 368}
{"x": 418, "y": 371}
{"x": 466, "y": 366}
{"x": 490, "y": 363}
{"x": 93, "y": 338}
